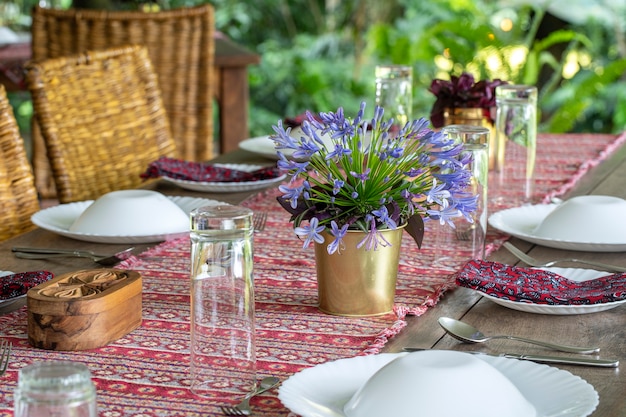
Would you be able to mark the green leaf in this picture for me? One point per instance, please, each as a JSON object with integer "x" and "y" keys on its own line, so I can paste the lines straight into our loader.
{"x": 531, "y": 69}
{"x": 560, "y": 36}
{"x": 565, "y": 117}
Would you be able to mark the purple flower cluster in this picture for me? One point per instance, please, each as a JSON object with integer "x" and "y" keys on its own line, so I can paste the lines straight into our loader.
{"x": 462, "y": 92}
{"x": 360, "y": 174}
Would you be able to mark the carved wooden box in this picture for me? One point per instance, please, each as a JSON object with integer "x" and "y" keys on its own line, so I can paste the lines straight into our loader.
{"x": 84, "y": 309}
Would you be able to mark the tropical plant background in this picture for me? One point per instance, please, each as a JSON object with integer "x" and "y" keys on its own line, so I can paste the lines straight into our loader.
{"x": 320, "y": 54}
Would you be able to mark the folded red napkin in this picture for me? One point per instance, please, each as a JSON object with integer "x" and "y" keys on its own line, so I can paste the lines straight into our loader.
{"x": 15, "y": 285}
{"x": 539, "y": 286}
{"x": 202, "y": 172}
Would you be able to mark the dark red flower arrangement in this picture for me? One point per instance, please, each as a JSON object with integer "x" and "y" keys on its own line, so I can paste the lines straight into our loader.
{"x": 462, "y": 91}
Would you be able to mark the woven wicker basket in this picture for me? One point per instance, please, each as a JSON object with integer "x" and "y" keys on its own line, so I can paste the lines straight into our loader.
{"x": 180, "y": 45}
{"x": 102, "y": 118}
{"x": 18, "y": 196}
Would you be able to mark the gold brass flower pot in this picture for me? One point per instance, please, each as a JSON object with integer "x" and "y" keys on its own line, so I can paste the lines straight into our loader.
{"x": 358, "y": 282}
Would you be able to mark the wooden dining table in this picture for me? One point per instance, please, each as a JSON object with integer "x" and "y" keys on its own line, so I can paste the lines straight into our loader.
{"x": 606, "y": 329}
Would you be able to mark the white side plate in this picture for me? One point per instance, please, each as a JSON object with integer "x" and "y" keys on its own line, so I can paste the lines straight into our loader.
{"x": 229, "y": 186}
{"x": 58, "y": 219}
{"x": 522, "y": 221}
{"x": 11, "y": 304}
{"x": 262, "y": 145}
{"x": 574, "y": 274}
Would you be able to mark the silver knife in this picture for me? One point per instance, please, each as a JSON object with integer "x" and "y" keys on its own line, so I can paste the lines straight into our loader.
{"x": 563, "y": 360}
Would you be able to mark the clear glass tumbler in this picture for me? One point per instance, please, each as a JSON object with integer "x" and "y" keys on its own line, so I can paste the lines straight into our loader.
{"x": 455, "y": 246}
{"x": 394, "y": 92}
{"x": 55, "y": 389}
{"x": 223, "y": 355}
{"x": 516, "y": 131}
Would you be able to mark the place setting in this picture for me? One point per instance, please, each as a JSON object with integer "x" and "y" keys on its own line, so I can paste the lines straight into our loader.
{"x": 125, "y": 216}
{"x": 600, "y": 223}
{"x": 260, "y": 145}
{"x": 214, "y": 177}
{"x": 265, "y": 146}
{"x": 393, "y": 383}
{"x": 145, "y": 216}
{"x": 592, "y": 223}
{"x": 557, "y": 291}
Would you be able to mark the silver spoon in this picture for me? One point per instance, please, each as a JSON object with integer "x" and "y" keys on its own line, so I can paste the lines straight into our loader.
{"x": 469, "y": 334}
{"x": 45, "y": 253}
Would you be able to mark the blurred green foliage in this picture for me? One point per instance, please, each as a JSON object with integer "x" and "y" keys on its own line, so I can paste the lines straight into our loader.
{"x": 320, "y": 54}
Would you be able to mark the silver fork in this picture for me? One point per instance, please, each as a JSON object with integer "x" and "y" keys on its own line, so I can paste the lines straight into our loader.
{"x": 5, "y": 353}
{"x": 465, "y": 233}
{"x": 243, "y": 408}
{"x": 536, "y": 263}
{"x": 49, "y": 253}
{"x": 258, "y": 221}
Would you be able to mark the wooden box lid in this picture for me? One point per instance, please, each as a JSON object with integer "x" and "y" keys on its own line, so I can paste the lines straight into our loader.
{"x": 84, "y": 309}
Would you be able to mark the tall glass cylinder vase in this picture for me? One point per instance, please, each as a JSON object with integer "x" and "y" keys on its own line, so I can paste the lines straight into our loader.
{"x": 223, "y": 355}
{"x": 516, "y": 130}
{"x": 394, "y": 92}
{"x": 465, "y": 239}
{"x": 475, "y": 116}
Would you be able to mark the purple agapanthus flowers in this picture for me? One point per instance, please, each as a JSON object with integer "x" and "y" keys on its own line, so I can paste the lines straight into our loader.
{"x": 359, "y": 174}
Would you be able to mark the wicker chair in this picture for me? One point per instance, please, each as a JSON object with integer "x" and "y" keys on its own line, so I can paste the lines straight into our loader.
{"x": 18, "y": 196}
{"x": 102, "y": 118}
{"x": 181, "y": 47}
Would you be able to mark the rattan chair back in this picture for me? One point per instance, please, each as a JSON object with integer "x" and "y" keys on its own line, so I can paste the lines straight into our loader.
{"x": 18, "y": 196}
{"x": 180, "y": 44}
{"x": 102, "y": 118}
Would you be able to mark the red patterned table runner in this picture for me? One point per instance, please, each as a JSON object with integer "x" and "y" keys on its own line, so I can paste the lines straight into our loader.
{"x": 146, "y": 373}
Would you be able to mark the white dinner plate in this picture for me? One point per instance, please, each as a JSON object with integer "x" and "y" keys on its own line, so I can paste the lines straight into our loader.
{"x": 574, "y": 274}
{"x": 261, "y": 145}
{"x": 228, "y": 186}
{"x": 58, "y": 219}
{"x": 11, "y": 304}
{"x": 522, "y": 221}
{"x": 264, "y": 146}
{"x": 323, "y": 390}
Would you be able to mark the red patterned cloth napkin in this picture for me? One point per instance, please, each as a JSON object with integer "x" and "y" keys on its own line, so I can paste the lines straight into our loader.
{"x": 14, "y": 285}
{"x": 538, "y": 286}
{"x": 202, "y": 172}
